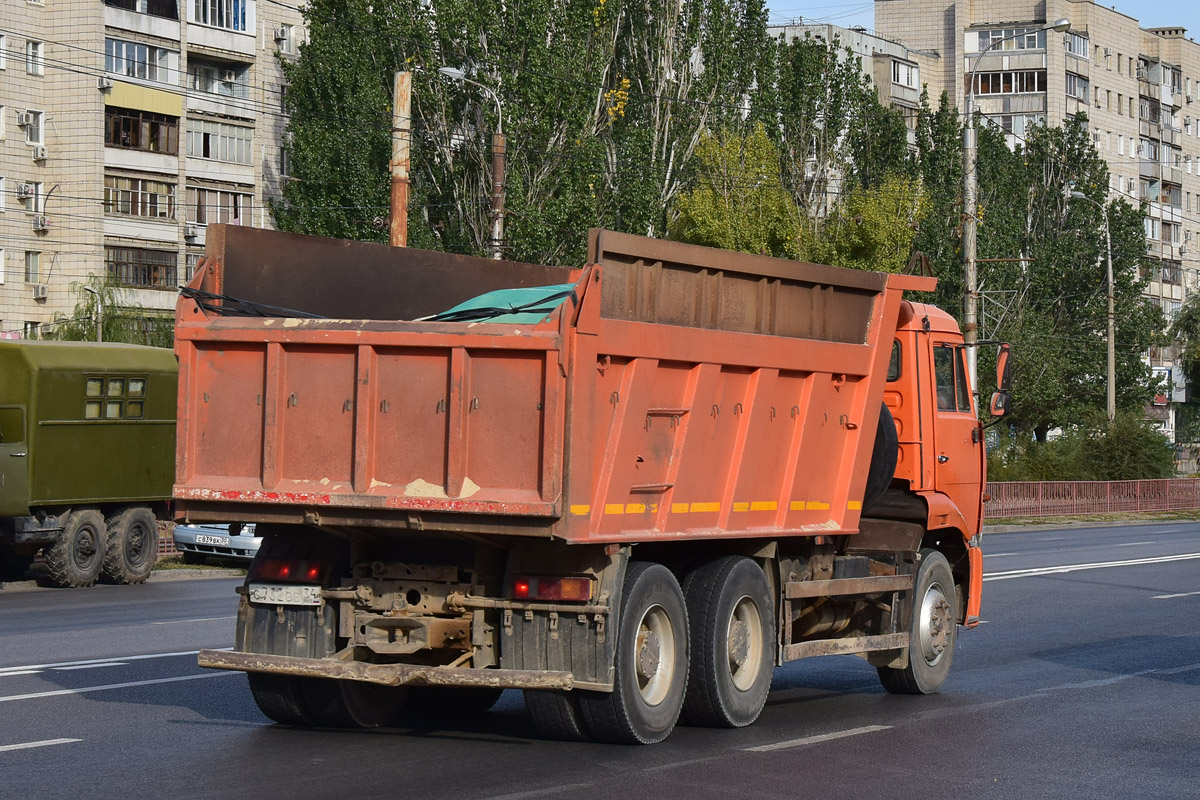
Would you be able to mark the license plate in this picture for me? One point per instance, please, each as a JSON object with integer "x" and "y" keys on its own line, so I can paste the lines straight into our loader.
{"x": 204, "y": 538}
{"x": 285, "y": 594}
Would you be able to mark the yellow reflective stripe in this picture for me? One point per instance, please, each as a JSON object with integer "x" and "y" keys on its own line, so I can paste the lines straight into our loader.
{"x": 854, "y": 505}
{"x": 635, "y": 508}
{"x": 763, "y": 505}
{"x": 703, "y": 507}
{"x": 679, "y": 508}
{"x": 614, "y": 508}
{"x": 816, "y": 505}
{"x": 796, "y": 505}
{"x": 580, "y": 511}
{"x": 741, "y": 506}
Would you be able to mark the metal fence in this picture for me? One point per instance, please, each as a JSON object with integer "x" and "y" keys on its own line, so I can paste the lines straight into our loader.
{"x": 1063, "y": 498}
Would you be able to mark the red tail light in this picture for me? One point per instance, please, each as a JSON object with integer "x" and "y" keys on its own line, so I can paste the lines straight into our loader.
{"x": 570, "y": 590}
{"x": 285, "y": 571}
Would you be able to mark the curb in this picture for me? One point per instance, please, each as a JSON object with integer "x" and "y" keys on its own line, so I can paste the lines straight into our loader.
{"x": 157, "y": 576}
{"x": 1033, "y": 527}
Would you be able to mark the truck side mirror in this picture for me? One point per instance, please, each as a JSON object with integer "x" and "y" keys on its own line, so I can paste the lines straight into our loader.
{"x": 1003, "y": 374}
{"x": 999, "y": 405}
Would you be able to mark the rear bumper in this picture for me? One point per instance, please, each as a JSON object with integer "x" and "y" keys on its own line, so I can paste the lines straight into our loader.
{"x": 386, "y": 674}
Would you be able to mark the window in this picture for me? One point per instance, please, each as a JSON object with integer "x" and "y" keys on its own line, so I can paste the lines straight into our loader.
{"x": 31, "y": 330}
{"x": 1120, "y": 64}
{"x": 139, "y": 197}
{"x": 1172, "y": 272}
{"x": 3, "y": 109}
{"x": 219, "y": 141}
{"x": 33, "y": 266}
{"x": 34, "y": 127}
{"x": 35, "y": 197}
{"x": 1023, "y": 82}
{"x": 893, "y": 373}
{"x": 114, "y": 397}
{"x": 285, "y": 163}
{"x": 3, "y": 51}
{"x": 136, "y": 266}
{"x": 1077, "y": 45}
{"x": 1077, "y": 86}
{"x": 229, "y": 14}
{"x": 286, "y": 37}
{"x": 211, "y": 77}
{"x": 12, "y": 425}
{"x": 3, "y": 265}
{"x": 1017, "y": 124}
{"x": 905, "y": 74}
{"x": 217, "y": 205}
{"x": 1171, "y": 310}
{"x": 136, "y": 60}
{"x": 35, "y": 59}
{"x": 1121, "y": 143}
{"x": 156, "y": 8}
{"x": 191, "y": 261}
{"x": 953, "y": 393}
{"x": 3, "y": 198}
{"x": 141, "y": 130}
{"x": 1012, "y": 39}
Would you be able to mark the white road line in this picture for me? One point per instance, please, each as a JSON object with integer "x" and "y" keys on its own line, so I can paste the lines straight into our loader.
{"x": 92, "y": 666}
{"x": 1052, "y": 539}
{"x": 1173, "y": 596}
{"x": 1132, "y": 544}
{"x": 824, "y": 737}
{"x": 1038, "y": 571}
{"x": 201, "y": 619}
{"x": 87, "y": 689}
{"x": 6, "y": 670}
{"x": 999, "y": 555}
{"x": 29, "y": 745}
{"x": 1172, "y": 530}
{"x": 21, "y": 672}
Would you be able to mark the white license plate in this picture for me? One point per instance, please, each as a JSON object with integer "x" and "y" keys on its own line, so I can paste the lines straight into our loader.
{"x": 277, "y": 594}
{"x": 221, "y": 541}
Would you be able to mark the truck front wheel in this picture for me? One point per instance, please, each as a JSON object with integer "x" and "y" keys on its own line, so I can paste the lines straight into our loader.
{"x": 76, "y": 558}
{"x": 132, "y": 549}
{"x": 651, "y": 662}
{"x": 934, "y": 630}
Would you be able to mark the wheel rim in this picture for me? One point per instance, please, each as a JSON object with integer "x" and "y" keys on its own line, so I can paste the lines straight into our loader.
{"x": 138, "y": 545}
{"x": 84, "y": 549}
{"x": 655, "y": 655}
{"x": 935, "y": 625}
{"x": 744, "y": 643}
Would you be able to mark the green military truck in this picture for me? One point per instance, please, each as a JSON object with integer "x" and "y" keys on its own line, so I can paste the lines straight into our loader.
{"x": 87, "y": 458}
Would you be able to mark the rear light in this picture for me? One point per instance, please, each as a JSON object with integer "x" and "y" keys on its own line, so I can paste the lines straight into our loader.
{"x": 571, "y": 590}
{"x": 285, "y": 571}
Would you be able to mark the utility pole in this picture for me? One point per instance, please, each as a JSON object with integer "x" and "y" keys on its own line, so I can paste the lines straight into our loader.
{"x": 401, "y": 158}
{"x": 99, "y": 312}
{"x": 970, "y": 227}
{"x": 499, "y": 151}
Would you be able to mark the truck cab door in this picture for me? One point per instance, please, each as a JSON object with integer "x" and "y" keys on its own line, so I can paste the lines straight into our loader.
{"x": 14, "y": 462}
{"x": 958, "y": 437}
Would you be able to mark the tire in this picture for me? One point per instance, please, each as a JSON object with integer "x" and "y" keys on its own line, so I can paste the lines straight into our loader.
{"x": 732, "y": 621}
{"x": 651, "y": 668}
{"x": 556, "y": 715}
{"x": 76, "y": 558}
{"x": 934, "y": 631}
{"x": 132, "y": 549}
{"x": 350, "y": 704}
{"x": 884, "y": 455}
{"x": 280, "y": 698}
{"x": 455, "y": 701}
{"x": 192, "y": 558}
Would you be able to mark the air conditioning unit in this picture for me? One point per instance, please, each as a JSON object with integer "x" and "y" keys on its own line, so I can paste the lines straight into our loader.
{"x": 104, "y": 82}
{"x": 228, "y": 76}
{"x": 1188, "y": 97}
{"x": 190, "y": 232}
{"x": 39, "y": 291}
{"x": 1107, "y": 52}
{"x": 40, "y": 223}
{"x": 39, "y": 152}
{"x": 1141, "y": 73}
{"x": 25, "y": 191}
{"x": 281, "y": 34}
{"x": 24, "y": 118}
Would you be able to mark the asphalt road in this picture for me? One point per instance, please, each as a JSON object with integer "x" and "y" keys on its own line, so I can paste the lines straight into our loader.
{"x": 1084, "y": 682}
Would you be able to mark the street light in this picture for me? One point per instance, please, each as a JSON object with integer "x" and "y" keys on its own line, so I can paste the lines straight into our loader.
{"x": 970, "y": 209}
{"x": 99, "y": 312}
{"x": 498, "y": 153}
{"x": 1112, "y": 351}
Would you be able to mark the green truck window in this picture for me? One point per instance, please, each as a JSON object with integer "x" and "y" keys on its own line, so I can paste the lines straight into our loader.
{"x": 12, "y": 425}
{"x": 116, "y": 397}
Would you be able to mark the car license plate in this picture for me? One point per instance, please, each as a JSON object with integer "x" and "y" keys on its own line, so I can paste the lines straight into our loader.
{"x": 285, "y": 594}
{"x": 204, "y": 538}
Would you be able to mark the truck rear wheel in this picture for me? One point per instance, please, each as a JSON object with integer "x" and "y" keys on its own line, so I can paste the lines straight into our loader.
{"x": 75, "y": 559}
{"x": 280, "y": 698}
{"x": 556, "y": 715}
{"x": 651, "y": 662}
{"x": 351, "y": 704}
{"x": 733, "y": 643}
{"x": 934, "y": 630}
{"x": 132, "y": 549}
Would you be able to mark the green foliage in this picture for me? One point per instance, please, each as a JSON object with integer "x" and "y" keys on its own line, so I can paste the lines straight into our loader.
{"x": 737, "y": 200}
{"x": 123, "y": 321}
{"x": 873, "y": 228}
{"x": 1128, "y": 448}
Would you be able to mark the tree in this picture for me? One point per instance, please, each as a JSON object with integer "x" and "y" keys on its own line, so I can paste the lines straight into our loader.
{"x": 873, "y": 228}
{"x": 124, "y": 321}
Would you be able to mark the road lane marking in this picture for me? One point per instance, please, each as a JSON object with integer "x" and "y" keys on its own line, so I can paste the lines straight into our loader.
{"x": 999, "y": 555}
{"x": 8, "y": 670}
{"x": 87, "y": 689}
{"x": 29, "y": 745}
{"x": 824, "y": 737}
{"x": 21, "y": 672}
{"x": 1052, "y": 539}
{"x": 1173, "y": 596}
{"x": 92, "y": 666}
{"x": 201, "y": 619}
{"x": 1039, "y": 571}
{"x": 1132, "y": 544}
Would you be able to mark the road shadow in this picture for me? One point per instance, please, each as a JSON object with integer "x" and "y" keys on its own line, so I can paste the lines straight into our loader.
{"x": 1171, "y": 659}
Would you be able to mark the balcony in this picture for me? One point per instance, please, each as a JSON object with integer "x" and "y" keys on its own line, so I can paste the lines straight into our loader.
{"x": 1150, "y": 169}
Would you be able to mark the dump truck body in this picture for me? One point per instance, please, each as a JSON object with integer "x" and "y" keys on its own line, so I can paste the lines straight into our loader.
{"x": 480, "y": 501}
{"x": 86, "y": 429}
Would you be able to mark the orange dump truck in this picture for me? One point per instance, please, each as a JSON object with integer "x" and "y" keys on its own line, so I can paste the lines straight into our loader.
{"x": 631, "y": 489}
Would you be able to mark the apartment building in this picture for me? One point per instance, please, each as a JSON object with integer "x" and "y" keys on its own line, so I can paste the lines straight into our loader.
{"x": 126, "y": 126}
{"x": 1138, "y": 87}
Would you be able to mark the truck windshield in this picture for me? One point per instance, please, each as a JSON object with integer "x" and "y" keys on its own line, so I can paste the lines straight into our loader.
{"x": 526, "y": 306}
